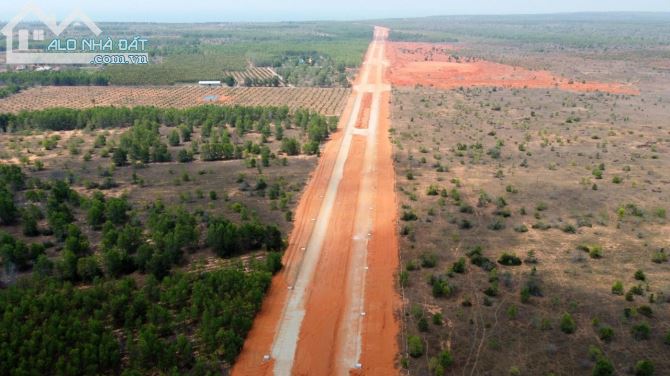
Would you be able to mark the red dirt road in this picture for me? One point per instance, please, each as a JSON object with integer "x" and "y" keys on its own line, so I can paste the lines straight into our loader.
{"x": 435, "y": 65}
{"x": 332, "y": 310}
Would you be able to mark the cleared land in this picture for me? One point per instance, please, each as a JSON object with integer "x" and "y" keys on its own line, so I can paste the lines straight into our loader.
{"x": 440, "y": 66}
{"x": 323, "y": 100}
{"x": 533, "y": 217}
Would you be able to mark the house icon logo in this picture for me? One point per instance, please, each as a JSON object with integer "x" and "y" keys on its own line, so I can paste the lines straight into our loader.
{"x": 75, "y": 53}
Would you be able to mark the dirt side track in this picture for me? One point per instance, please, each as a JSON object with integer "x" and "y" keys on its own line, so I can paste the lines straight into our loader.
{"x": 331, "y": 311}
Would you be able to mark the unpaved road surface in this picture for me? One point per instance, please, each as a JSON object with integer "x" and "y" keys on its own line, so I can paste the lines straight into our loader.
{"x": 331, "y": 311}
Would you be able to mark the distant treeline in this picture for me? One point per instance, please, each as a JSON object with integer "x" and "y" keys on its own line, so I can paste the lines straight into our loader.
{"x": 53, "y": 78}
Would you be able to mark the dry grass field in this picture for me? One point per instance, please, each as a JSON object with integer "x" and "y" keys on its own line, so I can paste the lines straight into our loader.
{"x": 574, "y": 185}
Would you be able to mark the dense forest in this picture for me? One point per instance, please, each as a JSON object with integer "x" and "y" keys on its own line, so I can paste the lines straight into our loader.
{"x": 126, "y": 304}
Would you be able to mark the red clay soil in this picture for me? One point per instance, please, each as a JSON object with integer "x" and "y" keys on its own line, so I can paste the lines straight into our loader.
{"x": 435, "y": 65}
{"x": 364, "y": 117}
{"x": 260, "y": 339}
{"x": 327, "y": 295}
{"x": 382, "y": 302}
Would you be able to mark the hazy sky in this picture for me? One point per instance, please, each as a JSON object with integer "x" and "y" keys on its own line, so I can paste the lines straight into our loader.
{"x": 278, "y": 10}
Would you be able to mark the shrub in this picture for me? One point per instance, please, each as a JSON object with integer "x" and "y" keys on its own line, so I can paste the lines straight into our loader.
{"x": 433, "y": 190}
{"x": 521, "y": 228}
{"x": 509, "y": 260}
{"x": 641, "y": 331}
{"x": 290, "y": 146}
{"x": 496, "y": 225}
{"x": 569, "y": 229}
{"x": 659, "y": 257}
{"x": 459, "y": 266}
{"x": 409, "y": 215}
{"x": 606, "y": 333}
{"x": 415, "y": 345}
{"x": 428, "y": 260}
{"x": 617, "y": 288}
{"x": 645, "y": 310}
{"x": 541, "y": 226}
{"x": 440, "y": 288}
{"x": 422, "y": 324}
{"x": 437, "y": 319}
{"x": 173, "y": 138}
{"x": 640, "y": 276}
{"x": 596, "y": 252}
{"x": 644, "y": 368}
{"x": 568, "y": 324}
{"x": 603, "y": 367}
{"x": 446, "y": 359}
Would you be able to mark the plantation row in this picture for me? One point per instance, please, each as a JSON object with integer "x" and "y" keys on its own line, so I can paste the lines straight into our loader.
{"x": 323, "y": 100}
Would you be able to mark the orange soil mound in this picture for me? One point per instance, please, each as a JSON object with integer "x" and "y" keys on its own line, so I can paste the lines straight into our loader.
{"x": 434, "y": 65}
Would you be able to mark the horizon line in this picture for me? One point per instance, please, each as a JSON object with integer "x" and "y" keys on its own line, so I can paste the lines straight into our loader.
{"x": 530, "y": 14}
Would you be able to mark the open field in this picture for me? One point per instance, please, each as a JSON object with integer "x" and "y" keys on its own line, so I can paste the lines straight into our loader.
{"x": 573, "y": 187}
{"x": 322, "y": 100}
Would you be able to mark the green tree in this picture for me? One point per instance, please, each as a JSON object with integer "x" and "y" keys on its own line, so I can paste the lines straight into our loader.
{"x": 8, "y": 210}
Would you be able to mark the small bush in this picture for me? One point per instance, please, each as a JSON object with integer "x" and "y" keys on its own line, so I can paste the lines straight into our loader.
{"x": 521, "y": 228}
{"x": 568, "y": 324}
{"x": 645, "y": 310}
{"x": 415, "y": 345}
{"x": 497, "y": 225}
{"x": 640, "y": 276}
{"x": 459, "y": 266}
{"x": 569, "y": 229}
{"x": 409, "y": 215}
{"x": 641, "y": 331}
{"x": 508, "y": 259}
{"x": 603, "y": 367}
{"x": 659, "y": 257}
{"x": 606, "y": 333}
{"x": 617, "y": 288}
{"x": 428, "y": 260}
{"x": 596, "y": 252}
{"x": 422, "y": 324}
{"x": 644, "y": 368}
